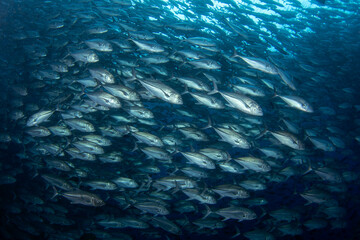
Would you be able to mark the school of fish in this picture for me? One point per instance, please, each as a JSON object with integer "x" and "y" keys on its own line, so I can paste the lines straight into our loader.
{"x": 146, "y": 119}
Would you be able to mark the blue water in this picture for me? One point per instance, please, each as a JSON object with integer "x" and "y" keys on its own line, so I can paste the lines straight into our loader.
{"x": 315, "y": 42}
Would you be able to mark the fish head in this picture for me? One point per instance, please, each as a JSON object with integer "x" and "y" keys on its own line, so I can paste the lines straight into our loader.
{"x": 114, "y": 102}
{"x": 213, "y": 65}
{"x": 162, "y": 211}
{"x": 265, "y": 167}
{"x": 299, "y": 145}
{"x": 157, "y": 142}
{"x": 307, "y": 107}
{"x": 210, "y": 199}
{"x": 109, "y": 78}
{"x": 256, "y": 110}
{"x": 96, "y": 202}
{"x": 208, "y": 164}
{"x": 177, "y": 99}
{"x": 243, "y": 194}
{"x": 250, "y": 215}
{"x": 92, "y": 57}
{"x": 31, "y": 122}
{"x": 190, "y": 184}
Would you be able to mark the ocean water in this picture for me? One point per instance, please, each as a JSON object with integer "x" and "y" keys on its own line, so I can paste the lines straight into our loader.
{"x": 135, "y": 119}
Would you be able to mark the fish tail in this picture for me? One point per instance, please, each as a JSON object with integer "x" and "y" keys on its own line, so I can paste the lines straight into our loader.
{"x": 209, "y": 125}
{"x": 235, "y": 54}
{"x": 237, "y": 232}
{"x": 216, "y": 90}
{"x": 309, "y": 169}
{"x": 56, "y": 193}
{"x": 208, "y": 212}
{"x": 186, "y": 91}
{"x": 261, "y": 134}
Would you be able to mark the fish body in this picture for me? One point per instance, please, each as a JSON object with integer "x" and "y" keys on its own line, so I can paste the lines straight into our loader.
{"x": 83, "y": 198}
{"x": 162, "y": 91}
{"x": 39, "y": 118}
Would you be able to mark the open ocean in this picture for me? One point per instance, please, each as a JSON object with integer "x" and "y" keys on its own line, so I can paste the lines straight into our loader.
{"x": 179, "y": 119}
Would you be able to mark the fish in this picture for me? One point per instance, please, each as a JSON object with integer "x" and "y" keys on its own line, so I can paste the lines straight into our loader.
{"x": 88, "y": 147}
{"x": 123, "y": 222}
{"x": 99, "y": 45}
{"x": 255, "y": 164}
{"x": 80, "y": 124}
{"x": 122, "y": 92}
{"x": 205, "y": 63}
{"x": 83, "y": 198}
{"x": 102, "y": 75}
{"x": 207, "y": 100}
{"x": 152, "y": 208}
{"x": 297, "y": 103}
{"x": 104, "y": 99}
{"x": 85, "y": 55}
{"x": 39, "y": 117}
{"x": 202, "y": 197}
{"x": 232, "y": 191}
{"x": 162, "y": 91}
{"x": 249, "y": 90}
{"x": 199, "y": 159}
{"x": 240, "y": 102}
{"x": 238, "y": 213}
{"x": 57, "y": 182}
{"x": 148, "y": 138}
{"x": 259, "y": 64}
{"x": 149, "y": 46}
{"x": 101, "y": 185}
{"x": 233, "y": 138}
{"x": 288, "y": 139}
{"x": 201, "y": 41}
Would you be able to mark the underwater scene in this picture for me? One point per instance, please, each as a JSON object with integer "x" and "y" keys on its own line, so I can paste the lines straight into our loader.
{"x": 179, "y": 119}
